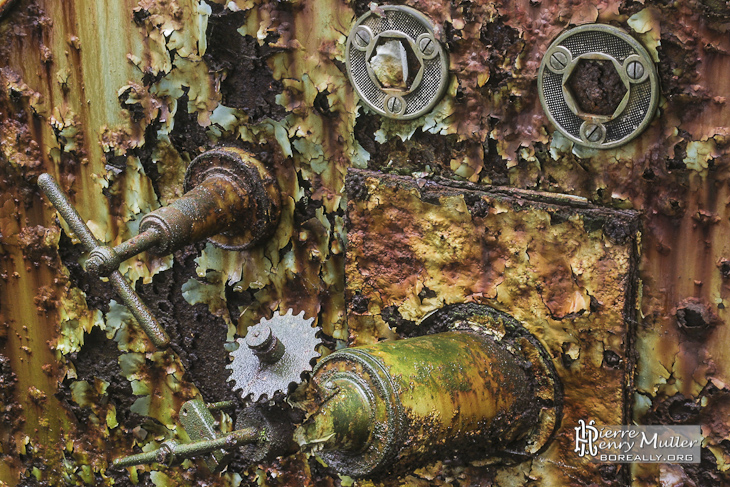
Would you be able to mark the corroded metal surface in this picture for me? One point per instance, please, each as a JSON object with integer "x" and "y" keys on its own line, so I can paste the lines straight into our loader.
{"x": 387, "y": 407}
{"x": 573, "y": 287}
{"x": 115, "y": 100}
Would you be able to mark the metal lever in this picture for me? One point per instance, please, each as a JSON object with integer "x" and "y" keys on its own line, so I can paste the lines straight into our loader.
{"x": 140, "y": 311}
{"x": 229, "y": 198}
{"x": 171, "y": 451}
{"x": 260, "y": 434}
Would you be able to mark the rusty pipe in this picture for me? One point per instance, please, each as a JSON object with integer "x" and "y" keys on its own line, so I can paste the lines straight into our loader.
{"x": 387, "y": 407}
{"x": 230, "y": 198}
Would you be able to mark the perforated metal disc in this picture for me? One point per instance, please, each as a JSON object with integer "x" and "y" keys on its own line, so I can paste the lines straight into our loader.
{"x": 633, "y": 65}
{"x": 428, "y": 62}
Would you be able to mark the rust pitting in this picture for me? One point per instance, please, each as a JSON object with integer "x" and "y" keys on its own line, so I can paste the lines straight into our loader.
{"x": 695, "y": 318}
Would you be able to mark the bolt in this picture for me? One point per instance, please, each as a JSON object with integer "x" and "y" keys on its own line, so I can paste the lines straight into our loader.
{"x": 362, "y": 37}
{"x": 427, "y": 46}
{"x": 558, "y": 60}
{"x": 395, "y": 105}
{"x": 259, "y": 339}
{"x": 635, "y": 70}
{"x": 264, "y": 344}
{"x": 593, "y": 132}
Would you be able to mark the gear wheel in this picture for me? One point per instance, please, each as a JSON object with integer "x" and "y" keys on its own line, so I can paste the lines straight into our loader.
{"x": 274, "y": 354}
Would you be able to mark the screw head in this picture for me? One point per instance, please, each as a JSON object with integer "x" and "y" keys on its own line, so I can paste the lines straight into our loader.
{"x": 427, "y": 46}
{"x": 395, "y": 105}
{"x": 593, "y": 132}
{"x": 635, "y": 70}
{"x": 558, "y": 60}
{"x": 362, "y": 37}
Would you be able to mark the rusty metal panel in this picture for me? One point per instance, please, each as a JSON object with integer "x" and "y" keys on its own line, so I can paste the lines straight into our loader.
{"x": 116, "y": 98}
{"x": 563, "y": 268}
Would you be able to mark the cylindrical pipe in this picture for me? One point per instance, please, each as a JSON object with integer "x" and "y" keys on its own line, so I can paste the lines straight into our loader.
{"x": 454, "y": 393}
{"x": 208, "y": 209}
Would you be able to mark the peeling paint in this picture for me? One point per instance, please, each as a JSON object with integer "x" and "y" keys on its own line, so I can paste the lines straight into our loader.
{"x": 115, "y": 100}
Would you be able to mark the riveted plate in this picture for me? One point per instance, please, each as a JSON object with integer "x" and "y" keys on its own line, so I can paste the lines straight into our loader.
{"x": 396, "y": 43}
{"x": 635, "y": 68}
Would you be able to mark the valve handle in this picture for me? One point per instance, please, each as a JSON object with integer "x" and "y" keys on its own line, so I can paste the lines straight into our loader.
{"x": 136, "y": 306}
{"x": 171, "y": 451}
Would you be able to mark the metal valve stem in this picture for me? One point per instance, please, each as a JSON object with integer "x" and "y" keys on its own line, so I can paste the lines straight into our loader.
{"x": 104, "y": 260}
{"x": 264, "y": 344}
{"x": 230, "y": 198}
{"x": 172, "y": 451}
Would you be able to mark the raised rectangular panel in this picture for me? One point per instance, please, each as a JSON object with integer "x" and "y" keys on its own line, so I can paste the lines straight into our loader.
{"x": 564, "y": 268}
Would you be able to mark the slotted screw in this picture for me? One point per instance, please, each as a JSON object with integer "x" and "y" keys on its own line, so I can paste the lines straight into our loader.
{"x": 395, "y": 105}
{"x": 362, "y": 37}
{"x": 427, "y": 46}
{"x": 593, "y": 132}
{"x": 635, "y": 70}
{"x": 558, "y": 60}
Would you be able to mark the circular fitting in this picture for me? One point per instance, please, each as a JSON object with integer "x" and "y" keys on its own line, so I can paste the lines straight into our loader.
{"x": 626, "y": 86}
{"x": 251, "y": 178}
{"x": 395, "y": 63}
{"x": 385, "y": 409}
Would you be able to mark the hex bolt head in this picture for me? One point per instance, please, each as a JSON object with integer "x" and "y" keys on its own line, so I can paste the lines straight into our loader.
{"x": 593, "y": 132}
{"x": 362, "y": 38}
{"x": 395, "y": 105}
{"x": 427, "y": 46}
{"x": 558, "y": 60}
{"x": 635, "y": 70}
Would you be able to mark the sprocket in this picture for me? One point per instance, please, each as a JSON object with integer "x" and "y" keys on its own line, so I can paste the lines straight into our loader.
{"x": 275, "y": 353}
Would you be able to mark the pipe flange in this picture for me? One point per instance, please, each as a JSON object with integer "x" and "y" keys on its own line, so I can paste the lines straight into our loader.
{"x": 620, "y": 120}
{"x": 387, "y": 412}
{"x": 508, "y": 332}
{"x": 252, "y": 180}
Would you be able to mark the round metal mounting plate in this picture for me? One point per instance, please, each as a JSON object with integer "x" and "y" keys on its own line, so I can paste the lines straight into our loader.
{"x": 251, "y": 177}
{"x": 634, "y": 67}
{"x": 428, "y": 62}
